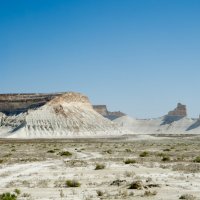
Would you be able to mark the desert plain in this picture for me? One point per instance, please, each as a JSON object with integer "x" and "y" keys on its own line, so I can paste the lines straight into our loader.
{"x": 127, "y": 167}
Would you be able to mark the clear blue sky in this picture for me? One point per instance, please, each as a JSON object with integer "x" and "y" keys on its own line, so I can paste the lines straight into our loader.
{"x": 137, "y": 56}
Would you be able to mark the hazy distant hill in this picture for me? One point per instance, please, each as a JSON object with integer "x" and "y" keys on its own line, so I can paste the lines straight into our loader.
{"x": 175, "y": 122}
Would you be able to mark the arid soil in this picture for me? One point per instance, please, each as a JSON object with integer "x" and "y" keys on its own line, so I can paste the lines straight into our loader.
{"x": 85, "y": 169}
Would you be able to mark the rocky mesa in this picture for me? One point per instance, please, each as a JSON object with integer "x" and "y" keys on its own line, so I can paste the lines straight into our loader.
{"x": 175, "y": 122}
{"x": 180, "y": 110}
{"x": 64, "y": 115}
{"x": 17, "y": 103}
{"x": 102, "y": 109}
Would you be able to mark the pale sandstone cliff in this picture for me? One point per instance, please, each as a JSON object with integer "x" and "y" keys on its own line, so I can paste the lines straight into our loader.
{"x": 66, "y": 115}
{"x": 18, "y": 103}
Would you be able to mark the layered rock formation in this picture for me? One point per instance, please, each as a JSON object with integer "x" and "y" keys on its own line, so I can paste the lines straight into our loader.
{"x": 65, "y": 115}
{"x": 156, "y": 126}
{"x": 175, "y": 122}
{"x": 180, "y": 110}
{"x": 102, "y": 109}
{"x": 2, "y": 116}
{"x": 17, "y": 103}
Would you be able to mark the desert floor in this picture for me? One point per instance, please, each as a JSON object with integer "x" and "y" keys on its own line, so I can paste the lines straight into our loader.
{"x": 164, "y": 168}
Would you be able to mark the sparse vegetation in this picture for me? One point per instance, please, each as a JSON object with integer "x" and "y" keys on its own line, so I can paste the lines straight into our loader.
{"x": 117, "y": 180}
{"x": 61, "y": 193}
{"x": 65, "y": 153}
{"x": 8, "y": 196}
{"x": 109, "y": 151}
{"x": 129, "y": 161}
{"x": 17, "y": 191}
{"x": 189, "y": 168}
{"x": 128, "y": 150}
{"x": 51, "y": 151}
{"x": 150, "y": 193}
{"x": 72, "y": 183}
{"x": 136, "y": 185}
{"x": 187, "y": 197}
{"x": 144, "y": 154}
{"x": 129, "y": 173}
{"x": 99, "y": 193}
{"x": 99, "y": 166}
{"x": 166, "y": 149}
{"x": 7, "y": 155}
{"x": 161, "y": 154}
{"x": 197, "y": 159}
{"x": 26, "y": 195}
{"x": 166, "y": 159}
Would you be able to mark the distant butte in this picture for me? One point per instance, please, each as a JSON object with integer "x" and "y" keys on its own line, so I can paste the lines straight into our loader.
{"x": 180, "y": 111}
{"x": 102, "y": 109}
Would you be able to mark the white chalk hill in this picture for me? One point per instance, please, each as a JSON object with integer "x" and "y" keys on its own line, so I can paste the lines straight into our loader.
{"x": 162, "y": 125}
{"x": 69, "y": 115}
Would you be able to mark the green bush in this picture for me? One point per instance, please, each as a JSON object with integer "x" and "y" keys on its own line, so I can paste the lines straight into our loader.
{"x": 166, "y": 150}
{"x": 129, "y": 161}
{"x": 128, "y": 150}
{"x": 17, "y": 191}
{"x": 136, "y": 185}
{"x": 166, "y": 158}
{"x": 51, "y": 151}
{"x": 72, "y": 183}
{"x": 99, "y": 166}
{"x": 109, "y": 151}
{"x": 99, "y": 193}
{"x": 65, "y": 153}
{"x": 187, "y": 197}
{"x": 8, "y": 196}
{"x": 144, "y": 154}
{"x": 197, "y": 159}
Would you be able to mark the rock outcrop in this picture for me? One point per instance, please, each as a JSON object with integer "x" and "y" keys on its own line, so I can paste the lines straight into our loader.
{"x": 17, "y": 103}
{"x": 11, "y": 104}
{"x": 175, "y": 122}
{"x": 180, "y": 110}
{"x": 66, "y": 115}
{"x": 102, "y": 109}
{"x": 2, "y": 116}
{"x": 156, "y": 126}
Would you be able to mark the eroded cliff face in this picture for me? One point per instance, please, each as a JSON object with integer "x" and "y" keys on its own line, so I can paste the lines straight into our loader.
{"x": 175, "y": 122}
{"x": 180, "y": 111}
{"x": 66, "y": 115}
{"x": 102, "y": 109}
{"x": 17, "y": 103}
{"x": 12, "y": 104}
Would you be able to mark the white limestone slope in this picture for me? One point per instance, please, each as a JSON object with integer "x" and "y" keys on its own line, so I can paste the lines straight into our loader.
{"x": 69, "y": 115}
{"x": 162, "y": 125}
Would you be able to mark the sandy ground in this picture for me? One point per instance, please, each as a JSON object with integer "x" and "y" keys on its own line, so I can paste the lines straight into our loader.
{"x": 39, "y": 171}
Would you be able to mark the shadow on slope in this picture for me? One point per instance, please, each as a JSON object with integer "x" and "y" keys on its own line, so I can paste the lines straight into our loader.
{"x": 170, "y": 119}
{"x": 193, "y": 126}
{"x": 19, "y": 127}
